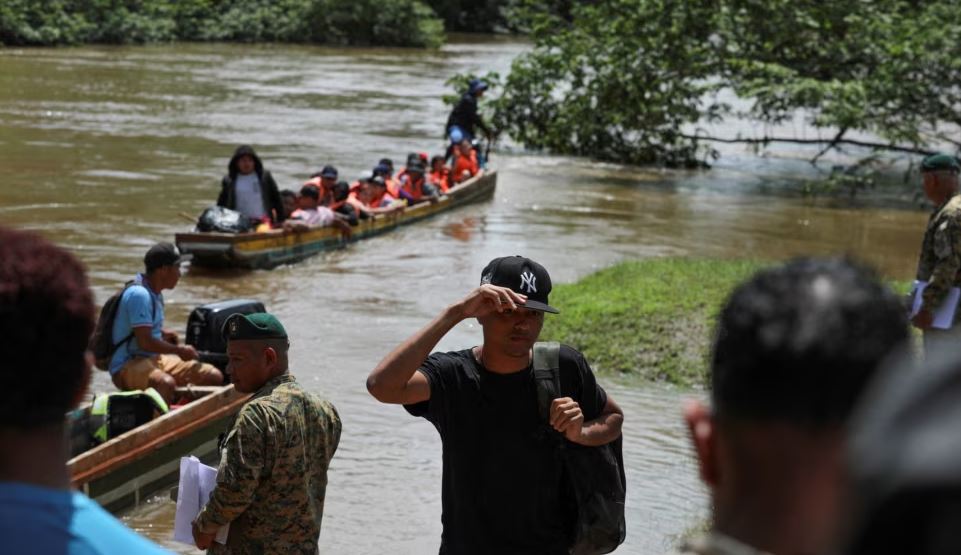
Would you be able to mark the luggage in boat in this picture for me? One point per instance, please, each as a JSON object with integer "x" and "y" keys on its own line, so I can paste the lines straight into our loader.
{"x": 206, "y": 322}
{"x": 224, "y": 220}
{"x": 112, "y": 414}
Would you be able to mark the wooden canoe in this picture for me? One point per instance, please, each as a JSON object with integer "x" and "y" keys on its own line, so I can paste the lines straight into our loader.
{"x": 123, "y": 471}
{"x": 282, "y": 246}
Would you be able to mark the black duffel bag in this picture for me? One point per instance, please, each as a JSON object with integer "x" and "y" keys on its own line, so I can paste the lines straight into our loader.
{"x": 595, "y": 475}
{"x": 224, "y": 220}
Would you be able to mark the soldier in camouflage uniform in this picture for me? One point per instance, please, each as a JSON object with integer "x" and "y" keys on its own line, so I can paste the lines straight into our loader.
{"x": 273, "y": 468}
{"x": 940, "y": 260}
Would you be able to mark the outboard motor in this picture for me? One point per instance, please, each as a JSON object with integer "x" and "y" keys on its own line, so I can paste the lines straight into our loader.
{"x": 205, "y": 324}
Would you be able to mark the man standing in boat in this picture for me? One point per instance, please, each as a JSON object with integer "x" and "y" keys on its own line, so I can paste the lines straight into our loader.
{"x": 464, "y": 118}
{"x": 503, "y": 488}
{"x": 939, "y": 264}
{"x": 147, "y": 355}
{"x": 47, "y": 318}
{"x": 273, "y": 469}
{"x": 250, "y": 189}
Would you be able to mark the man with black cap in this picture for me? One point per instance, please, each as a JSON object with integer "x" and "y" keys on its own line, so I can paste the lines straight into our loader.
{"x": 148, "y": 355}
{"x": 464, "y": 117}
{"x": 939, "y": 264}
{"x": 273, "y": 469}
{"x": 503, "y": 487}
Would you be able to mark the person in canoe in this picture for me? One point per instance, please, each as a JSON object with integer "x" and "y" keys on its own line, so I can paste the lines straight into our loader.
{"x": 250, "y": 189}
{"x": 464, "y": 164}
{"x": 312, "y": 214}
{"x": 414, "y": 187}
{"x": 464, "y": 119}
{"x": 373, "y": 198}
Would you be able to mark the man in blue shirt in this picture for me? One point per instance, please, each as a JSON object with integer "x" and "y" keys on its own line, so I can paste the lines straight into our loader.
{"x": 148, "y": 355}
{"x": 48, "y": 316}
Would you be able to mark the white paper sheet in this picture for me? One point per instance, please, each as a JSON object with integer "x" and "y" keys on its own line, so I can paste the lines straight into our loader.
{"x": 197, "y": 481}
{"x": 944, "y": 315}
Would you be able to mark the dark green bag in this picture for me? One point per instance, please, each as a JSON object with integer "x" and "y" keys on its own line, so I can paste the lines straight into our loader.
{"x": 596, "y": 474}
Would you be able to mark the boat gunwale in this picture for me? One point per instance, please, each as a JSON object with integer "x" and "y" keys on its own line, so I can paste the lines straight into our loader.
{"x": 117, "y": 452}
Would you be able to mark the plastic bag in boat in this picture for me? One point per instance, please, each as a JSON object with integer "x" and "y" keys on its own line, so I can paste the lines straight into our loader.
{"x": 224, "y": 220}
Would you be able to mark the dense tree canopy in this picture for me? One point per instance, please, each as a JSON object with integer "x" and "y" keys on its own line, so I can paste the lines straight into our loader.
{"x": 630, "y": 80}
{"x": 341, "y": 22}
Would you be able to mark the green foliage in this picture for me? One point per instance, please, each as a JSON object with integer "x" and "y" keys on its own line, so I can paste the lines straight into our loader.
{"x": 618, "y": 83}
{"x": 630, "y": 80}
{"x": 342, "y": 22}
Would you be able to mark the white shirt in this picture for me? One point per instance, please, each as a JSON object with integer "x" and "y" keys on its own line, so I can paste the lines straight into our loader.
{"x": 320, "y": 216}
{"x": 249, "y": 199}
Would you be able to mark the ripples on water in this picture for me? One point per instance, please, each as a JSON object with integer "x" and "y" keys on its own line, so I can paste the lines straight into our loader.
{"x": 104, "y": 148}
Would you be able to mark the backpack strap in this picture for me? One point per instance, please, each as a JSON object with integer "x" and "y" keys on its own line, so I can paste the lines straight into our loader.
{"x": 153, "y": 313}
{"x": 547, "y": 376}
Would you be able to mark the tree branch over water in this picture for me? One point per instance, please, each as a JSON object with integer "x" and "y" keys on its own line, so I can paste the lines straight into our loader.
{"x": 830, "y": 142}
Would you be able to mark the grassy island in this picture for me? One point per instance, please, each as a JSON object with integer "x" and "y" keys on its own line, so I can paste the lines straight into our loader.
{"x": 650, "y": 320}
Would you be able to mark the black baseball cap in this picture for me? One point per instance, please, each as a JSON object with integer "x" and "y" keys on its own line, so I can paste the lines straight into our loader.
{"x": 329, "y": 172}
{"x": 164, "y": 254}
{"x": 521, "y": 275}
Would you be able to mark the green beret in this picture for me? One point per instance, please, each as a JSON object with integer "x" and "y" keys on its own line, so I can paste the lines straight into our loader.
{"x": 258, "y": 325}
{"x": 940, "y": 161}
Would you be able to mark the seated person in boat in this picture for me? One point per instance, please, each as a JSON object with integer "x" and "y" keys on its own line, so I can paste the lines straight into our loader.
{"x": 385, "y": 169}
{"x": 272, "y": 480}
{"x": 464, "y": 165}
{"x": 342, "y": 209}
{"x": 439, "y": 174}
{"x": 414, "y": 187}
{"x": 312, "y": 214}
{"x": 48, "y": 316}
{"x": 250, "y": 189}
{"x": 148, "y": 355}
{"x": 373, "y": 198}
{"x": 289, "y": 199}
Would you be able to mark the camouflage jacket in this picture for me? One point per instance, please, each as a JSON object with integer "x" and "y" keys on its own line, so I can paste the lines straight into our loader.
{"x": 717, "y": 544}
{"x": 273, "y": 472}
{"x": 940, "y": 259}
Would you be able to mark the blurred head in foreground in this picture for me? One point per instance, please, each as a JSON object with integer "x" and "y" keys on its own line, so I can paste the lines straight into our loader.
{"x": 795, "y": 347}
{"x": 904, "y": 459}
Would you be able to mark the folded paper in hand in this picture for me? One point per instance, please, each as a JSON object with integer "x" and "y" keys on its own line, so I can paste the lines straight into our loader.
{"x": 197, "y": 481}
{"x": 944, "y": 315}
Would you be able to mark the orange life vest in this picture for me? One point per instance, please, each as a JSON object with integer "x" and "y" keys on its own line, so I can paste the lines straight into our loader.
{"x": 463, "y": 163}
{"x": 440, "y": 178}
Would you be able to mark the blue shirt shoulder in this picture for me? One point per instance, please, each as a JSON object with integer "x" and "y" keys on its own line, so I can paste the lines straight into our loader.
{"x": 35, "y": 519}
{"x": 139, "y": 306}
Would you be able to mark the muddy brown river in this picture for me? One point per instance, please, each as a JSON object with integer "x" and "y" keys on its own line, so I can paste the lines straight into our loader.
{"x": 108, "y": 150}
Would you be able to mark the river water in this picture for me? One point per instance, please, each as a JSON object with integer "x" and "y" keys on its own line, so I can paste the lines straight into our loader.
{"x": 104, "y": 149}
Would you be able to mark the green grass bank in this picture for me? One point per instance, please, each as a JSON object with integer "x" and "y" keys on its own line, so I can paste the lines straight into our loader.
{"x": 650, "y": 320}
{"x": 647, "y": 320}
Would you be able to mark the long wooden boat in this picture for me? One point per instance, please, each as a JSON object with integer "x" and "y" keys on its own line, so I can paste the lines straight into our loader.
{"x": 127, "y": 469}
{"x": 283, "y": 246}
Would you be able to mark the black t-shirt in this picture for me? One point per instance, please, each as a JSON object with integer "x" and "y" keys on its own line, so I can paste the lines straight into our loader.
{"x": 503, "y": 488}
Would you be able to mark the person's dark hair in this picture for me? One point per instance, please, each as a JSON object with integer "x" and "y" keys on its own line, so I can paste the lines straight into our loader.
{"x": 799, "y": 343}
{"x": 341, "y": 190}
{"x": 46, "y": 318}
{"x": 288, "y": 193}
{"x": 435, "y": 158}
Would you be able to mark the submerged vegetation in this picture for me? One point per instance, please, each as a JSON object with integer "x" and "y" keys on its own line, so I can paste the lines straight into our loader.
{"x": 650, "y": 320}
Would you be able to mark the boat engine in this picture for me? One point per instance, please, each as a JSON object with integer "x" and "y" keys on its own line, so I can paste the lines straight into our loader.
{"x": 205, "y": 324}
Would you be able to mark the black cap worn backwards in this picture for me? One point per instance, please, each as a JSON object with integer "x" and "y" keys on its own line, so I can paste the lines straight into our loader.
{"x": 259, "y": 325}
{"x": 521, "y": 275}
{"x": 164, "y": 254}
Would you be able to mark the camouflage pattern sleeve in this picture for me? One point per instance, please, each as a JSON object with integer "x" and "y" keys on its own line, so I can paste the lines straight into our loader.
{"x": 241, "y": 468}
{"x": 947, "y": 255}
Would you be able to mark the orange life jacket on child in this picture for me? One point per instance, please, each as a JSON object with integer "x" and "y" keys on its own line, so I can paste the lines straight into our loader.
{"x": 463, "y": 164}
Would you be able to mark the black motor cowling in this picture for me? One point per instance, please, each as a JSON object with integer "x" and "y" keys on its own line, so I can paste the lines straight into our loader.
{"x": 206, "y": 322}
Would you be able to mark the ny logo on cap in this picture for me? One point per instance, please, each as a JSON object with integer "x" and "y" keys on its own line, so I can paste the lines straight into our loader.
{"x": 528, "y": 281}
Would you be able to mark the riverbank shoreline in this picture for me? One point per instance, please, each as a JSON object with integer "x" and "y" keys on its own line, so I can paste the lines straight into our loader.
{"x": 646, "y": 320}
{"x": 650, "y": 320}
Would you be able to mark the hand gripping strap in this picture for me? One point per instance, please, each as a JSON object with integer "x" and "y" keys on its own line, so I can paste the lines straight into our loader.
{"x": 547, "y": 362}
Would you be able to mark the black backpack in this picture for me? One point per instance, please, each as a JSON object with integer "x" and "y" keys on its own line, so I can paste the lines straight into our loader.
{"x": 224, "y": 220}
{"x": 101, "y": 342}
{"x": 596, "y": 474}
